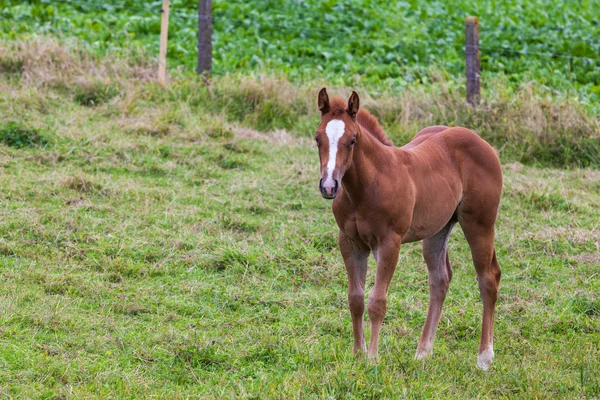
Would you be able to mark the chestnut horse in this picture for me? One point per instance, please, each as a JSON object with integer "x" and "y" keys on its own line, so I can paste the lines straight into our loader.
{"x": 385, "y": 196}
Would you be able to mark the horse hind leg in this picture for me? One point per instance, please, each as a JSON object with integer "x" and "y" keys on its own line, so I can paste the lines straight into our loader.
{"x": 435, "y": 252}
{"x": 480, "y": 237}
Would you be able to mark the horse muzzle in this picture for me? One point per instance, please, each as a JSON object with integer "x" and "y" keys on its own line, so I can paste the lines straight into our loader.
{"x": 329, "y": 188}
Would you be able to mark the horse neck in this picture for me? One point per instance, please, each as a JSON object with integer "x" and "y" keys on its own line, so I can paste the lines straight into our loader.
{"x": 369, "y": 160}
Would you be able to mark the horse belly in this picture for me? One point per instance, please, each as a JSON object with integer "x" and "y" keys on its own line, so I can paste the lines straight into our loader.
{"x": 418, "y": 232}
{"x": 433, "y": 213}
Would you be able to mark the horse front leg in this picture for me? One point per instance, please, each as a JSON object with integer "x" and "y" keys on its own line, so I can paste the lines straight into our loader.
{"x": 356, "y": 268}
{"x": 387, "y": 258}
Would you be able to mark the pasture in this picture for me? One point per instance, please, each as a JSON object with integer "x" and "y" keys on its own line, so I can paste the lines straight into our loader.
{"x": 172, "y": 242}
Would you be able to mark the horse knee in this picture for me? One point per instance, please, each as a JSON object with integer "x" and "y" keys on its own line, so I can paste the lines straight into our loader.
{"x": 490, "y": 280}
{"x": 356, "y": 303}
{"x": 448, "y": 268}
{"x": 497, "y": 275}
{"x": 440, "y": 281}
{"x": 496, "y": 269}
{"x": 488, "y": 284}
{"x": 377, "y": 308}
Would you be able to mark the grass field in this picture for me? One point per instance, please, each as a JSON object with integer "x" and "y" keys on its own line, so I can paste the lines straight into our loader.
{"x": 155, "y": 244}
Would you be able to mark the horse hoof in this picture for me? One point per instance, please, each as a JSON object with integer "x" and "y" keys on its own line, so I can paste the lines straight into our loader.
{"x": 360, "y": 351}
{"x": 484, "y": 359}
{"x": 373, "y": 359}
{"x": 422, "y": 354}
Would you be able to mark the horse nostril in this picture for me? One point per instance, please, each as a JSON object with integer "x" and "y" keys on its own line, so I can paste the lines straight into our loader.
{"x": 336, "y": 187}
{"x": 321, "y": 185}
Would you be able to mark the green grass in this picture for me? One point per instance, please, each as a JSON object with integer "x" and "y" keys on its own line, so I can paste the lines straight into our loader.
{"x": 351, "y": 42}
{"x": 158, "y": 245}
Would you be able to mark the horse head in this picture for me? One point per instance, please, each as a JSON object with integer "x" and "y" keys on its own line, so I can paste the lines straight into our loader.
{"x": 336, "y": 137}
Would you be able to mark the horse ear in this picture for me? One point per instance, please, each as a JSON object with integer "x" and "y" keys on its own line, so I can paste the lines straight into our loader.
{"x": 353, "y": 104}
{"x": 323, "y": 101}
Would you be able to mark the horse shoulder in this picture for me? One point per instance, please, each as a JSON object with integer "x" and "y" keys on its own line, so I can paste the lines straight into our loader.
{"x": 343, "y": 210}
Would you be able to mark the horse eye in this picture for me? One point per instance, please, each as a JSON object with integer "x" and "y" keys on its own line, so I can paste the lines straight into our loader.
{"x": 352, "y": 142}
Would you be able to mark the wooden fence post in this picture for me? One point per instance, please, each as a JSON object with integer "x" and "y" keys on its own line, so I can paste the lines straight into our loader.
{"x": 164, "y": 29}
{"x": 472, "y": 60}
{"x": 204, "y": 37}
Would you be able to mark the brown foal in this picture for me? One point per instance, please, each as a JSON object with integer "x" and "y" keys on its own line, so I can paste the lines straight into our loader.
{"x": 385, "y": 196}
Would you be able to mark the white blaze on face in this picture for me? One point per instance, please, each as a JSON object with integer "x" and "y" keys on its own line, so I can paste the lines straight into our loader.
{"x": 334, "y": 130}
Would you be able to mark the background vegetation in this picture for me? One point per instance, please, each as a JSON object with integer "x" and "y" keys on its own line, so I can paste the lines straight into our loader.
{"x": 385, "y": 44}
{"x": 171, "y": 242}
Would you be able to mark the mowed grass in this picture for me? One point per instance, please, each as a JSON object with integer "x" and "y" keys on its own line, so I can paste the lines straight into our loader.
{"x": 154, "y": 248}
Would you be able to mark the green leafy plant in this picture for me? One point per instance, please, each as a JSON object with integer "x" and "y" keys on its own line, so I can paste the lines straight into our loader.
{"x": 16, "y": 135}
{"x": 388, "y": 44}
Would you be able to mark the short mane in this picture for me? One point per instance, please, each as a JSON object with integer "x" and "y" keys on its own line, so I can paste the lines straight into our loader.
{"x": 364, "y": 118}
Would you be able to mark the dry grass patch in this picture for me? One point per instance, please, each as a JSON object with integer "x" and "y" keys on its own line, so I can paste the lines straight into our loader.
{"x": 575, "y": 235}
{"x": 278, "y": 136}
{"x": 49, "y": 62}
{"x": 589, "y": 258}
{"x": 87, "y": 185}
{"x": 529, "y": 124}
{"x": 145, "y": 125}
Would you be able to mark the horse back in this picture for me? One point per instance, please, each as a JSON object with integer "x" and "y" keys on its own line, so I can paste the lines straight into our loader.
{"x": 461, "y": 144}
{"x": 455, "y": 150}
{"x": 423, "y": 135}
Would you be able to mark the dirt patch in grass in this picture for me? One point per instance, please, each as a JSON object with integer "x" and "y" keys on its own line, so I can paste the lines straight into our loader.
{"x": 588, "y": 258}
